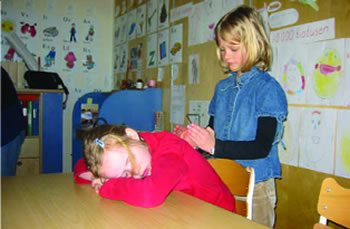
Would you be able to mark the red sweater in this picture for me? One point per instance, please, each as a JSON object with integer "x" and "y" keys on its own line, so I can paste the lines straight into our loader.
{"x": 175, "y": 166}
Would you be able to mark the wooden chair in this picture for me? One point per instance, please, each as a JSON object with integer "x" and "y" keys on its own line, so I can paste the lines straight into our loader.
{"x": 333, "y": 204}
{"x": 240, "y": 181}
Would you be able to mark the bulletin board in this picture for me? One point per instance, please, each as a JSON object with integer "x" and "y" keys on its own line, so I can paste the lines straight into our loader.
{"x": 304, "y": 38}
{"x": 311, "y": 48}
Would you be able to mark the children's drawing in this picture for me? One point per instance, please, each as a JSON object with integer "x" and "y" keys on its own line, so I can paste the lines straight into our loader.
{"x": 342, "y": 166}
{"x": 328, "y": 84}
{"x": 289, "y": 147}
{"x": 293, "y": 77}
{"x": 327, "y": 73}
{"x": 317, "y": 139}
{"x": 193, "y": 69}
{"x": 311, "y": 3}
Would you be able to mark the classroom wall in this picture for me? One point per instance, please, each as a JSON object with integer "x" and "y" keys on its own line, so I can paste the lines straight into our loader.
{"x": 79, "y": 79}
{"x": 299, "y": 187}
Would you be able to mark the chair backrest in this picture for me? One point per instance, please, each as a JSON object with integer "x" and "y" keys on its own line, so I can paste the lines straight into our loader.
{"x": 240, "y": 181}
{"x": 334, "y": 203}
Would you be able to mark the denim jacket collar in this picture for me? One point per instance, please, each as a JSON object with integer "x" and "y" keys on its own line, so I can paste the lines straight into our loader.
{"x": 243, "y": 79}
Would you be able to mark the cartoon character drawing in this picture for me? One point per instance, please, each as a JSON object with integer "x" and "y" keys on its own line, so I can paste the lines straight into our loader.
{"x": 50, "y": 57}
{"x": 70, "y": 58}
{"x": 327, "y": 74}
{"x": 89, "y": 63}
{"x": 73, "y": 32}
{"x": 90, "y": 34}
{"x": 27, "y": 28}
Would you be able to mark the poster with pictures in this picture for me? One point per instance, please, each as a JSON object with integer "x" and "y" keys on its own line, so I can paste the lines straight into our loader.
{"x": 152, "y": 52}
{"x": 152, "y": 15}
{"x": 163, "y": 14}
{"x": 131, "y": 30}
{"x": 141, "y": 21}
{"x": 176, "y": 44}
{"x": 117, "y": 31}
{"x": 163, "y": 44}
{"x": 123, "y": 54}
{"x": 124, "y": 27}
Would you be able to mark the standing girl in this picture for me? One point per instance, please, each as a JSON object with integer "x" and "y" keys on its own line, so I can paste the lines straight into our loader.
{"x": 248, "y": 107}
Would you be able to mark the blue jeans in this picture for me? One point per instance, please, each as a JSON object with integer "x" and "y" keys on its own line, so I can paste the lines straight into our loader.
{"x": 9, "y": 155}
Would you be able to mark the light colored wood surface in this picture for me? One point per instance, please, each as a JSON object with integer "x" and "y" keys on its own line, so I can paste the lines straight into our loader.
{"x": 55, "y": 201}
{"x": 334, "y": 202}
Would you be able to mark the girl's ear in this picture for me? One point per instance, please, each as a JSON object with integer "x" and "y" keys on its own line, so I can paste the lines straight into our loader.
{"x": 131, "y": 133}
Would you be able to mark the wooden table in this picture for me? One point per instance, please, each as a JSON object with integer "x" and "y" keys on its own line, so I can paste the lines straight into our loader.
{"x": 55, "y": 201}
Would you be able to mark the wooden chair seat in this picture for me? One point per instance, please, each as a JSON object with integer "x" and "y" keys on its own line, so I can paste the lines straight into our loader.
{"x": 334, "y": 203}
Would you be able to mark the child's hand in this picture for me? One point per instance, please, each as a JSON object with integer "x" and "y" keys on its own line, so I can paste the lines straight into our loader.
{"x": 182, "y": 132}
{"x": 97, "y": 184}
{"x": 204, "y": 138}
{"x": 87, "y": 176}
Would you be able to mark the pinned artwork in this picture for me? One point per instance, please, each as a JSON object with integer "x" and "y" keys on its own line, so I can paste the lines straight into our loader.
{"x": 317, "y": 139}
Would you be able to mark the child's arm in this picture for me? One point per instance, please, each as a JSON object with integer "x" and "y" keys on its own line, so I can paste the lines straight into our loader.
{"x": 81, "y": 173}
{"x": 167, "y": 172}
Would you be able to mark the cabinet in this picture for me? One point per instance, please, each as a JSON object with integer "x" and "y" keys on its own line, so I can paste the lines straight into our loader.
{"x": 42, "y": 151}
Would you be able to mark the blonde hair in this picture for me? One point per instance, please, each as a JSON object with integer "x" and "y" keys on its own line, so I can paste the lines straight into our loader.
{"x": 245, "y": 25}
{"x": 93, "y": 152}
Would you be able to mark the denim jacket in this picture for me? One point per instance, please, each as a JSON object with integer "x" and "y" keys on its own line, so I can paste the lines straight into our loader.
{"x": 236, "y": 107}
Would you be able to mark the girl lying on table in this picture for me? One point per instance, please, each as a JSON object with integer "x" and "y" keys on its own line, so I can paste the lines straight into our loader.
{"x": 143, "y": 168}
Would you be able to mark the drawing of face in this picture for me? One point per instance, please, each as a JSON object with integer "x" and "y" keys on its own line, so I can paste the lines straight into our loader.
{"x": 315, "y": 123}
{"x": 293, "y": 77}
{"x": 327, "y": 74}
